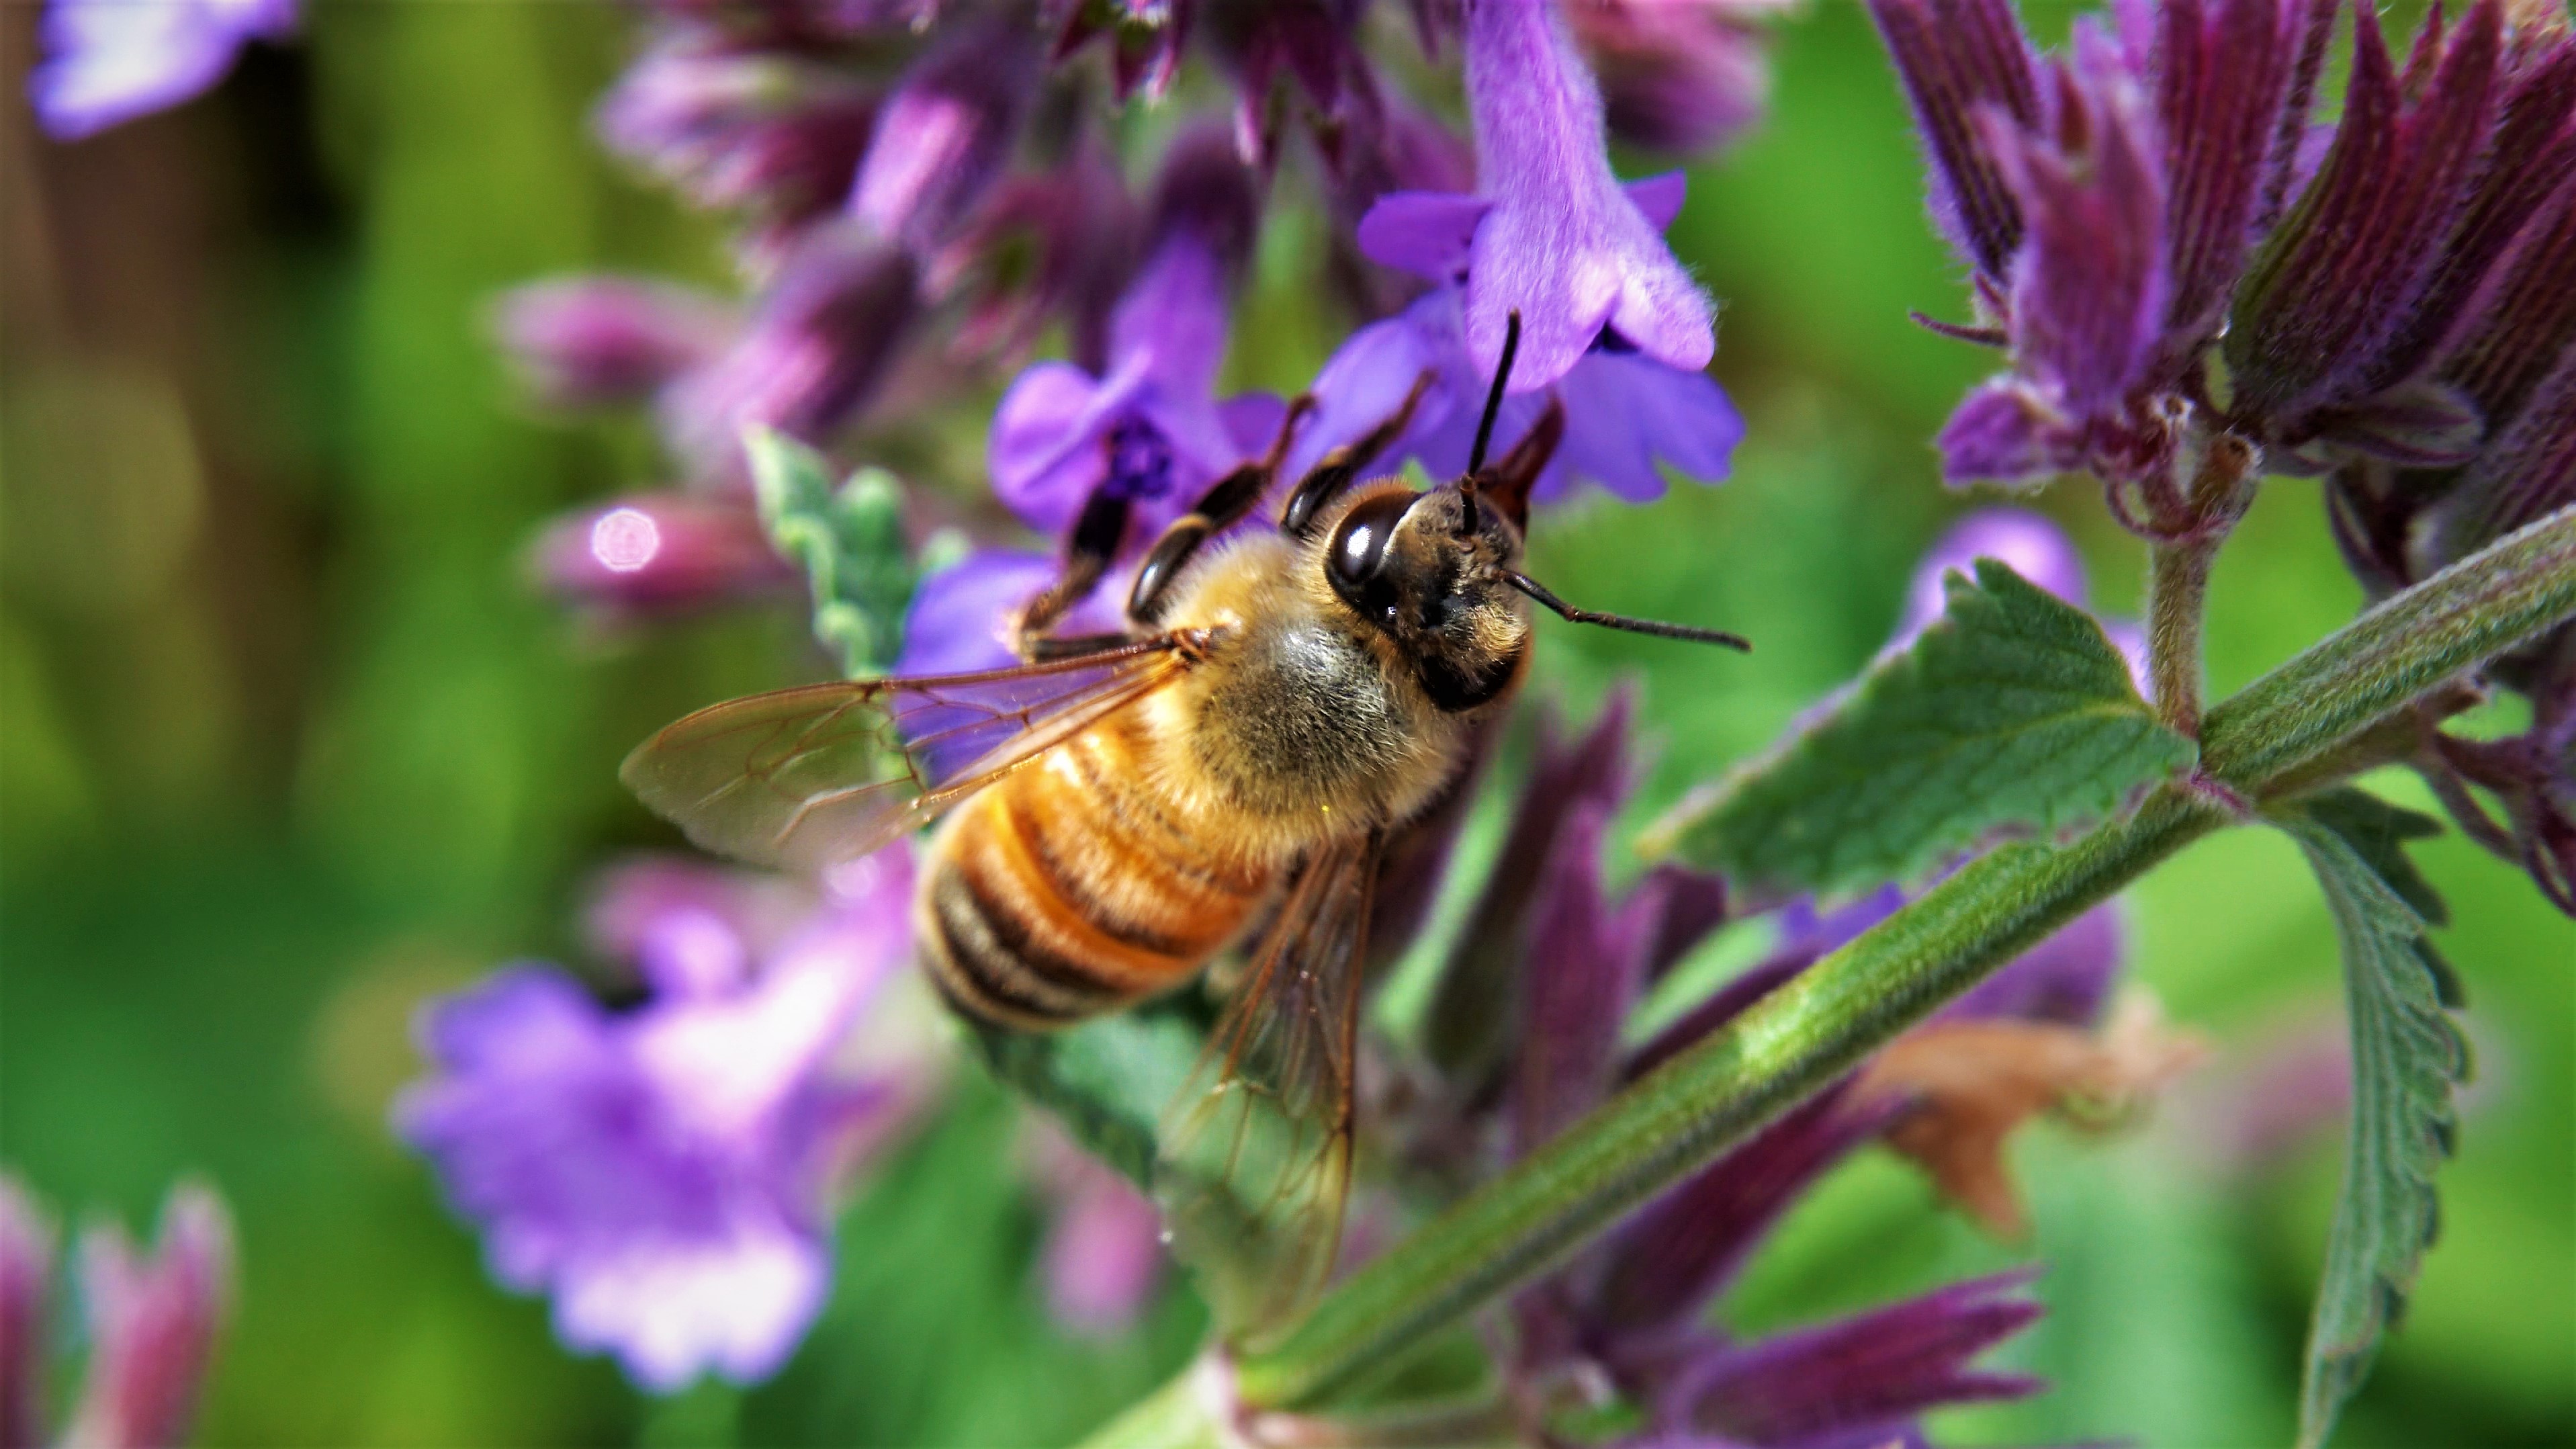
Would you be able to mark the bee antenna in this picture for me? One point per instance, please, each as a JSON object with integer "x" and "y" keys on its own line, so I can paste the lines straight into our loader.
{"x": 1568, "y": 612}
{"x": 1494, "y": 395}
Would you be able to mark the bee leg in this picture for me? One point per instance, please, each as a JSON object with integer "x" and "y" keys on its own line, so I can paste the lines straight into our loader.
{"x": 1225, "y": 504}
{"x": 1340, "y": 467}
{"x": 1087, "y": 555}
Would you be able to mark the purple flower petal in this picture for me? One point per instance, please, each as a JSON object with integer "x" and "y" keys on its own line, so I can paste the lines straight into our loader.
{"x": 661, "y": 1173}
{"x": 1639, "y": 416}
{"x": 153, "y": 1322}
{"x": 1563, "y": 246}
{"x": 732, "y": 126}
{"x": 2005, "y": 433}
{"x": 960, "y": 616}
{"x": 1426, "y": 233}
{"x": 109, "y": 61}
{"x": 2029, "y": 543}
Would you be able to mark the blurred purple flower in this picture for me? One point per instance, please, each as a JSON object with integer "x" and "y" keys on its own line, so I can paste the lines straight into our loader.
{"x": 152, "y": 1321}
{"x": 606, "y": 341}
{"x": 1044, "y": 245}
{"x": 730, "y": 125}
{"x": 663, "y": 1173}
{"x": 26, "y": 1293}
{"x": 945, "y": 132}
{"x": 1554, "y": 236}
{"x": 1627, "y": 415}
{"x": 659, "y": 553}
{"x": 1315, "y": 43}
{"x": 109, "y": 61}
{"x": 1148, "y": 429}
{"x": 1678, "y": 75}
{"x": 1145, "y": 39}
{"x": 1104, "y": 1252}
{"x": 818, "y": 343}
{"x": 2029, "y": 543}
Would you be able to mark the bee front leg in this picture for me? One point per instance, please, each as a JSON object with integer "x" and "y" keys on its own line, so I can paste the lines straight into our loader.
{"x": 1341, "y": 467}
{"x": 1225, "y": 504}
{"x": 1087, "y": 555}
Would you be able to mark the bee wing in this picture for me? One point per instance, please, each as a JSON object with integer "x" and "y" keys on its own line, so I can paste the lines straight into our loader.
{"x": 803, "y": 778}
{"x": 1255, "y": 1155}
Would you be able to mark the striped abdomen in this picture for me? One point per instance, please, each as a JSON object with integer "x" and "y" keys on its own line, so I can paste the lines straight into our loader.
{"x": 1066, "y": 890}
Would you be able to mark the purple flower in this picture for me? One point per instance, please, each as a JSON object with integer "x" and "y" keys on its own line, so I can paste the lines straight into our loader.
{"x": 664, "y": 1173}
{"x": 1678, "y": 75}
{"x": 1145, "y": 39}
{"x": 2087, "y": 293}
{"x": 960, "y": 617}
{"x": 1056, "y": 243}
{"x": 1627, "y": 416}
{"x": 733, "y": 126}
{"x": 1104, "y": 1254}
{"x": 152, "y": 1321}
{"x": 108, "y": 61}
{"x": 817, "y": 344}
{"x": 1557, "y": 239}
{"x": 1313, "y": 42}
{"x": 659, "y": 553}
{"x": 603, "y": 341}
{"x": 1147, "y": 429}
{"x": 945, "y": 132}
{"x": 2029, "y": 543}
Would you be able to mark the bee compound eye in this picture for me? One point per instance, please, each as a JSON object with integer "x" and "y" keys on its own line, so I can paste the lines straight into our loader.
{"x": 1359, "y": 544}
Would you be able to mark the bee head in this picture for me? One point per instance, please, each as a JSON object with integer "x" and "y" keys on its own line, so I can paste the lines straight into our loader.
{"x": 1434, "y": 571}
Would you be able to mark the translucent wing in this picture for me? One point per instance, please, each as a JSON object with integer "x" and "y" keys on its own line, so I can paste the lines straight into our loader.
{"x": 1255, "y": 1156}
{"x": 803, "y": 778}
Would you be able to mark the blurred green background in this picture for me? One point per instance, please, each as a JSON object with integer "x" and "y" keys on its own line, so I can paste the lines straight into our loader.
{"x": 289, "y": 745}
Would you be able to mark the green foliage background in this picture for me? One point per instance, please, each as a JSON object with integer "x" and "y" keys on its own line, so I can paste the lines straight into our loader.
{"x": 289, "y": 745}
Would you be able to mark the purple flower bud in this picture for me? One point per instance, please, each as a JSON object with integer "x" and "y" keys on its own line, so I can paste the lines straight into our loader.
{"x": 1858, "y": 1379}
{"x": 1145, "y": 39}
{"x": 1562, "y": 244}
{"x": 1080, "y": 224}
{"x": 152, "y": 1323}
{"x": 817, "y": 345}
{"x": 2329, "y": 298}
{"x": 734, "y": 127}
{"x": 1960, "y": 61}
{"x": 945, "y": 133}
{"x": 663, "y": 1173}
{"x": 109, "y": 61}
{"x": 2086, "y": 306}
{"x": 1678, "y": 75}
{"x": 585, "y": 342}
{"x": 26, "y": 1288}
{"x": 1585, "y": 965}
{"x": 660, "y": 553}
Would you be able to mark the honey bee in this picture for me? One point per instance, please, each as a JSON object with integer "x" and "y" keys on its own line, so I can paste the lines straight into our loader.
{"x": 1121, "y": 810}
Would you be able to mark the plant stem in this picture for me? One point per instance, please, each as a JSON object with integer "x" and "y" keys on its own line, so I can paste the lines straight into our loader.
{"x": 2177, "y": 596}
{"x": 1808, "y": 1032}
{"x": 2485, "y": 605}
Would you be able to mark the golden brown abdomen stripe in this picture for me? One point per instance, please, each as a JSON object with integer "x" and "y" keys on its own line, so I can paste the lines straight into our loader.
{"x": 1064, "y": 890}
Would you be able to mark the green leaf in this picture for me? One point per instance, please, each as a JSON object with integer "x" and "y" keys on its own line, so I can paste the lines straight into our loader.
{"x": 2407, "y": 1055}
{"x": 2013, "y": 709}
{"x": 849, "y": 541}
{"x": 1108, "y": 1081}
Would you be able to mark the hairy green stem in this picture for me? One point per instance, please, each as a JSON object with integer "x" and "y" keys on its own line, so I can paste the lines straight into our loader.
{"x": 1682, "y": 1115}
{"x": 2177, "y": 591}
{"x": 2478, "y": 608}
{"x": 1825, "y": 1021}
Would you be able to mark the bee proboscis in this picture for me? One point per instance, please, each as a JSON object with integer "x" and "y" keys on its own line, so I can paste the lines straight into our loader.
{"x": 1122, "y": 810}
